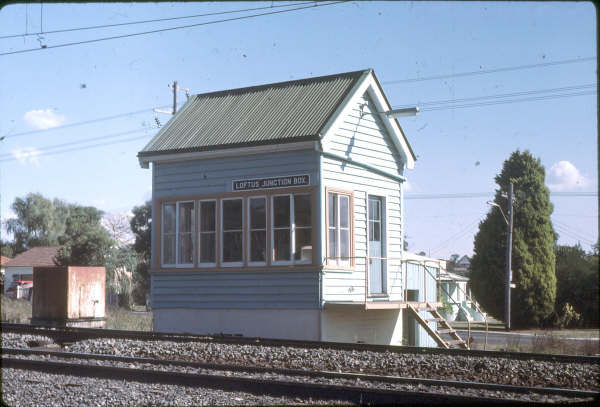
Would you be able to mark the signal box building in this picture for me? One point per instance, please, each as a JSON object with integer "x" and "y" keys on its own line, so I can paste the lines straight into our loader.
{"x": 278, "y": 212}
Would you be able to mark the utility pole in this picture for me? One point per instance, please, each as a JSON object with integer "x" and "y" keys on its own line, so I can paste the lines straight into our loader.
{"x": 175, "y": 88}
{"x": 508, "y": 258}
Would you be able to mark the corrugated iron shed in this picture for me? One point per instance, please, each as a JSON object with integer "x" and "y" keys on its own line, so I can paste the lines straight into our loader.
{"x": 258, "y": 115}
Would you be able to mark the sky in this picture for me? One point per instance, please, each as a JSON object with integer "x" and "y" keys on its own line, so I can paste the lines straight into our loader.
{"x": 467, "y": 65}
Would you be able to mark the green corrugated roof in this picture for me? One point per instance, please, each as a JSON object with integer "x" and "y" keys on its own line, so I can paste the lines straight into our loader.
{"x": 268, "y": 114}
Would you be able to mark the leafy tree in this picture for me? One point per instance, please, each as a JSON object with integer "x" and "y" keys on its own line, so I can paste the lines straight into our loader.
{"x": 39, "y": 222}
{"x": 85, "y": 241}
{"x": 533, "y": 261}
{"x": 577, "y": 283}
{"x": 7, "y": 248}
{"x": 121, "y": 263}
{"x": 141, "y": 226}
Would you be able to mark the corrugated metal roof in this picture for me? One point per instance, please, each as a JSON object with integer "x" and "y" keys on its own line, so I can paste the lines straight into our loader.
{"x": 274, "y": 113}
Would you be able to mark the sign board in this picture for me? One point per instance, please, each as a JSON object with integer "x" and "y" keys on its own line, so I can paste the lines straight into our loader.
{"x": 274, "y": 182}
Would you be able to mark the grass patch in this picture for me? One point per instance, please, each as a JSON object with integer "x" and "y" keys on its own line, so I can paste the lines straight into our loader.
{"x": 119, "y": 318}
{"x": 15, "y": 311}
{"x": 545, "y": 343}
{"x": 19, "y": 311}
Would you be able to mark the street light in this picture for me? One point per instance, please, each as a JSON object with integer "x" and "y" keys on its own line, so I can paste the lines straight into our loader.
{"x": 499, "y": 207}
{"x": 408, "y": 111}
{"x": 509, "y": 223}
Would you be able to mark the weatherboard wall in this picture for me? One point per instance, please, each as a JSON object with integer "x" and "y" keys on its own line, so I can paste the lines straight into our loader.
{"x": 255, "y": 287}
{"x": 361, "y": 137}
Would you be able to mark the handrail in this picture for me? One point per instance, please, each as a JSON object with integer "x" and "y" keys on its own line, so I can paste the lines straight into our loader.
{"x": 404, "y": 262}
{"x": 470, "y": 299}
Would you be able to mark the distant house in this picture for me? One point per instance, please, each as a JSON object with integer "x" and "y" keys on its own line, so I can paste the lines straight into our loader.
{"x": 21, "y": 267}
{"x": 279, "y": 212}
{"x": 462, "y": 265}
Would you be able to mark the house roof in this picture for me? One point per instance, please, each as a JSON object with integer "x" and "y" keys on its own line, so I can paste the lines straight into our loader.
{"x": 4, "y": 259}
{"x": 42, "y": 256}
{"x": 258, "y": 115}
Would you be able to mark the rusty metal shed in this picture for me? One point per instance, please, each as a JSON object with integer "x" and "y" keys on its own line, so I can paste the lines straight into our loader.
{"x": 71, "y": 296}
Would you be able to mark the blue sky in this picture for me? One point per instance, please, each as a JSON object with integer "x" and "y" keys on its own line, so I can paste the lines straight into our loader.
{"x": 459, "y": 149}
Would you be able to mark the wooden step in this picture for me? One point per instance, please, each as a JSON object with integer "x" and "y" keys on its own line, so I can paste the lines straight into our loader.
{"x": 455, "y": 342}
{"x": 445, "y": 331}
{"x": 434, "y": 319}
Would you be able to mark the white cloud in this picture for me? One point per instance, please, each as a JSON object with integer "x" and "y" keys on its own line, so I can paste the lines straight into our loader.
{"x": 27, "y": 155}
{"x": 43, "y": 119}
{"x": 564, "y": 176}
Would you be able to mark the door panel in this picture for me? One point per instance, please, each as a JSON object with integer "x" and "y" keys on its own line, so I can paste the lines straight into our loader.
{"x": 376, "y": 265}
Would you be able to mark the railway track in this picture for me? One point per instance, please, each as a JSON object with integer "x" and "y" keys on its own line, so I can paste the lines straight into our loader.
{"x": 71, "y": 335}
{"x": 324, "y": 385}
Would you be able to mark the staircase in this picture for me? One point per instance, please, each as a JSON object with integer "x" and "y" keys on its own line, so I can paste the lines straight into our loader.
{"x": 443, "y": 327}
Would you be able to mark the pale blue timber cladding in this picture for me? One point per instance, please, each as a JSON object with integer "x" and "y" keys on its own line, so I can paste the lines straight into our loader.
{"x": 215, "y": 175}
{"x": 236, "y": 290}
{"x": 361, "y": 137}
{"x": 250, "y": 289}
{"x": 423, "y": 278}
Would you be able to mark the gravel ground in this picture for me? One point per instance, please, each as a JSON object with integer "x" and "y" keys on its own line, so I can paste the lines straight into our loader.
{"x": 30, "y": 388}
{"x": 354, "y": 382}
{"x": 463, "y": 368}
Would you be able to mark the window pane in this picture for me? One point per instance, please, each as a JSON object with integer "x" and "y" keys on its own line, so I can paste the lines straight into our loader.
{"x": 258, "y": 245}
{"x": 303, "y": 244}
{"x": 281, "y": 211}
{"x": 332, "y": 204}
{"x": 232, "y": 214}
{"x": 185, "y": 248}
{"x": 232, "y": 246}
{"x": 281, "y": 240}
{"x": 186, "y": 217}
{"x": 302, "y": 210}
{"x": 169, "y": 218}
{"x": 332, "y": 243}
{"x": 344, "y": 215}
{"x": 207, "y": 247}
{"x": 258, "y": 218}
{"x": 169, "y": 248}
{"x": 344, "y": 244}
{"x": 207, "y": 216}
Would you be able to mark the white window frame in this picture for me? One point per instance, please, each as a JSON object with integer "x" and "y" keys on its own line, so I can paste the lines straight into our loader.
{"x": 292, "y": 260}
{"x": 205, "y": 264}
{"x": 162, "y": 235}
{"x": 250, "y": 230}
{"x": 222, "y": 234}
{"x": 338, "y": 260}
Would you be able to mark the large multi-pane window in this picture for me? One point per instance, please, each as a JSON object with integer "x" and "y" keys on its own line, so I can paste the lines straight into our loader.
{"x": 291, "y": 235}
{"x": 338, "y": 229}
{"x": 207, "y": 233}
{"x": 232, "y": 243}
{"x": 260, "y": 230}
{"x": 178, "y": 234}
{"x": 257, "y": 242}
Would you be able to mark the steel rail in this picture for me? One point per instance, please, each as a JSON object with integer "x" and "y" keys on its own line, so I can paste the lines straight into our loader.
{"x": 72, "y": 334}
{"x": 310, "y": 373}
{"x": 260, "y": 386}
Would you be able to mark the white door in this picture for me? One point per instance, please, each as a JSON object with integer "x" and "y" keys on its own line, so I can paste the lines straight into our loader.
{"x": 376, "y": 265}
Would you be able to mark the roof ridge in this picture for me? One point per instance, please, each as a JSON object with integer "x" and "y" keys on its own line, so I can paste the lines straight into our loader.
{"x": 247, "y": 89}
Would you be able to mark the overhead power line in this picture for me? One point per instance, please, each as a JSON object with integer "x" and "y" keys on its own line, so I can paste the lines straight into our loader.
{"x": 91, "y": 121}
{"x": 87, "y": 140}
{"x": 490, "y": 194}
{"x": 488, "y": 71}
{"x": 503, "y": 102}
{"x": 170, "y": 28}
{"x": 66, "y": 150}
{"x": 157, "y": 20}
{"x": 590, "y": 86}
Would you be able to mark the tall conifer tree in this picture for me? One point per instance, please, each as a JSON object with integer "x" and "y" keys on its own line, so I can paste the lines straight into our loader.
{"x": 533, "y": 260}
